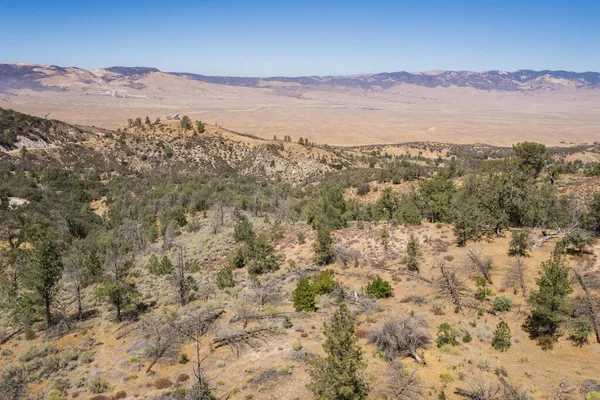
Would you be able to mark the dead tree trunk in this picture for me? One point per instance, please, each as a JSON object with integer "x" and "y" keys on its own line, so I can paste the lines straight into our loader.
{"x": 469, "y": 395}
{"x": 590, "y": 307}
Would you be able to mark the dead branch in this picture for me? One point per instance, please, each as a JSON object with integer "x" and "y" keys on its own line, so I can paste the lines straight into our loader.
{"x": 11, "y": 335}
{"x": 452, "y": 285}
{"x": 239, "y": 340}
{"x": 590, "y": 301}
{"x": 481, "y": 263}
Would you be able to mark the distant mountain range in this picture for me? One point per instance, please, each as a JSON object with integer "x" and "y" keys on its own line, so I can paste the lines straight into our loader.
{"x": 37, "y": 77}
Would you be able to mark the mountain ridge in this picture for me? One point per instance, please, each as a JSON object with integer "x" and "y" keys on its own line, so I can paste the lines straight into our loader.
{"x": 32, "y": 76}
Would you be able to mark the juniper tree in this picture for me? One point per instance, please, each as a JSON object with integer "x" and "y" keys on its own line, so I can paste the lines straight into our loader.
{"x": 304, "y": 296}
{"x": 501, "y": 338}
{"x": 323, "y": 247}
{"x": 340, "y": 375}
{"x": 413, "y": 252}
{"x": 42, "y": 275}
{"x": 550, "y": 301}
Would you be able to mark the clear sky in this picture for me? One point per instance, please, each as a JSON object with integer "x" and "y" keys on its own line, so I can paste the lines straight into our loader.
{"x": 294, "y": 37}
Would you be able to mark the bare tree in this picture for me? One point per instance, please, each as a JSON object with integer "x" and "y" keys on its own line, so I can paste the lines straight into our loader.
{"x": 403, "y": 383}
{"x": 184, "y": 284}
{"x": 481, "y": 263}
{"x": 589, "y": 304}
{"x": 206, "y": 288}
{"x": 164, "y": 337}
{"x": 401, "y": 337}
{"x": 515, "y": 276}
{"x": 265, "y": 292}
{"x": 452, "y": 285}
{"x": 365, "y": 304}
{"x": 217, "y": 217}
{"x": 480, "y": 389}
{"x": 347, "y": 255}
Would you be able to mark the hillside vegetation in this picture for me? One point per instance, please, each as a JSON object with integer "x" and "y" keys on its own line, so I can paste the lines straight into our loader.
{"x": 180, "y": 260}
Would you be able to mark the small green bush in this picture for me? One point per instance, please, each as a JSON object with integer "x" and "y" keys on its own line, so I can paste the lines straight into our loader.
{"x": 379, "y": 288}
{"x": 225, "y": 278}
{"x": 98, "y": 385}
{"x": 502, "y": 304}
{"x": 593, "y": 395}
{"x": 446, "y": 335}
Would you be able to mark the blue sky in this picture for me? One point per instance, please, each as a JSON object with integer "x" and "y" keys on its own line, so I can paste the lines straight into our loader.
{"x": 293, "y": 37}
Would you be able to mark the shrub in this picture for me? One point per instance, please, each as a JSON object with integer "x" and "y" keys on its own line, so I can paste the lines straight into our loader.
{"x": 301, "y": 238}
{"x": 379, "y": 288}
{"x": 121, "y": 394}
{"x": 593, "y": 395}
{"x": 467, "y": 338}
{"x": 483, "y": 291}
{"x": 323, "y": 282}
{"x": 304, "y": 296}
{"x": 98, "y": 385}
{"x": 363, "y": 189}
{"x": 297, "y": 345}
{"x": 323, "y": 247}
{"x": 183, "y": 359}
{"x": 225, "y": 278}
{"x": 580, "y": 330}
{"x": 446, "y": 335}
{"x": 162, "y": 383}
{"x": 446, "y": 377}
{"x": 501, "y": 338}
{"x": 183, "y": 378}
{"x": 502, "y": 303}
{"x": 286, "y": 323}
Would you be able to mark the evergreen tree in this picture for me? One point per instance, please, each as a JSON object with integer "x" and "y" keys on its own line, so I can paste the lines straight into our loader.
{"x": 519, "y": 243}
{"x": 323, "y": 247}
{"x": 339, "y": 376}
{"x": 185, "y": 123}
{"x": 243, "y": 230}
{"x": 42, "y": 274}
{"x": 117, "y": 288}
{"x": 200, "y": 127}
{"x": 304, "y": 296}
{"x": 531, "y": 157}
{"x": 413, "y": 252}
{"x": 550, "y": 301}
{"x": 501, "y": 338}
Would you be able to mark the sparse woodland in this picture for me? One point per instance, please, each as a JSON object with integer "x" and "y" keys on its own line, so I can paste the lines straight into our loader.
{"x": 376, "y": 276}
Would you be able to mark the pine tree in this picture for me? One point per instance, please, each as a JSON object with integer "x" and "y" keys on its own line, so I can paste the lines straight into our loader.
{"x": 117, "y": 288}
{"x": 501, "y": 338}
{"x": 323, "y": 247}
{"x": 413, "y": 252}
{"x": 42, "y": 274}
{"x": 550, "y": 301}
{"x": 304, "y": 296}
{"x": 339, "y": 376}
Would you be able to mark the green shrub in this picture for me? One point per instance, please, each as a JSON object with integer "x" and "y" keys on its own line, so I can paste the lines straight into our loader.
{"x": 225, "y": 278}
{"x": 467, "y": 338}
{"x": 379, "y": 288}
{"x": 323, "y": 282}
{"x": 580, "y": 331}
{"x": 183, "y": 359}
{"x": 304, "y": 296}
{"x": 593, "y": 395}
{"x": 98, "y": 385}
{"x": 286, "y": 322}
{"x": 502, "y": 303}
{"x": 446, "y": 335}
